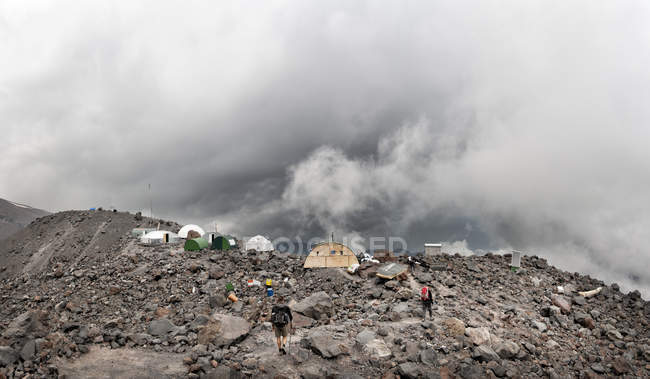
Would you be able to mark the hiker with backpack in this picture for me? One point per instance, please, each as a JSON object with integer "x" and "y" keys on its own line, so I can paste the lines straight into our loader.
{"x": 427, "y": 300}
{"x": 282, "y": 321}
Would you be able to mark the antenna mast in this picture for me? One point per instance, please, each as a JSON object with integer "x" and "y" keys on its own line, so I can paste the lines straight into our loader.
{"x": 150, "y": 202}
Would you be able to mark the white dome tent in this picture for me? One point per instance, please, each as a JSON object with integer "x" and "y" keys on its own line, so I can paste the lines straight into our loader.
{"x": 186, "y": 229}
{"x": 159, "y": 236}
{"x": 259, "y": 243}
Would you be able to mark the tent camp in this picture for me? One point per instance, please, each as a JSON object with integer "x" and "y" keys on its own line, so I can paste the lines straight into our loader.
{"x": 259, "y": 243}
{"x": 224, "y": 243}
{"x": 330, "y": 254}
{"x": 158, "y": 237}
{"x": 184, "y": 230}
{"x": 196, "y": 244}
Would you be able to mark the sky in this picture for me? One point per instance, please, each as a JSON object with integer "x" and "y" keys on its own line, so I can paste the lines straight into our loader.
{"x": 487, "y": 125}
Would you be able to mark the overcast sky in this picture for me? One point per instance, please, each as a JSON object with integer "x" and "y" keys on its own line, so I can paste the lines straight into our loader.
{"x": 506, "y": 124}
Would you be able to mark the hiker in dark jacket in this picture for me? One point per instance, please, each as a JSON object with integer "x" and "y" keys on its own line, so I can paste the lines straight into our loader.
{"x": 427, "y": 300}
{"x": 282, "y": 321}
{"x": 412, "y": 262}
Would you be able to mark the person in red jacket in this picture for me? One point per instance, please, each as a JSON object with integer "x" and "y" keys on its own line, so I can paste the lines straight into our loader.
{"x": 427, "y": 300}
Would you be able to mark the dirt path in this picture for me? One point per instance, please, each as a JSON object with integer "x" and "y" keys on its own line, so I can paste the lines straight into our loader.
{"x": 123, "y": 363}
{"x": 39, "y": 260}
{"x": 262, "y": 345}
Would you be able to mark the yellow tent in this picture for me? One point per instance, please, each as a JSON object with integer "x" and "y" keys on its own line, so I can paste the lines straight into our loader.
{"x": 330, "y": 254}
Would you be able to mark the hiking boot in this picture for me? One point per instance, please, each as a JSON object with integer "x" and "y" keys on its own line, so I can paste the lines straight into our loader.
{"x": 284, "y": 352}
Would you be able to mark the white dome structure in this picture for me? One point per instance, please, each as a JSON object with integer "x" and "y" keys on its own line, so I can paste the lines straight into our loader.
{"x": 186, "y": 229}
{"x": 159, "y": 236}
{"x": 259, "y": 243}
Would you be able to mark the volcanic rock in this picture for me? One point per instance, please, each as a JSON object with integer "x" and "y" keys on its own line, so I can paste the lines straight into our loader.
{"x": 161, "y": 327}
{"x": 485, "y": 353}
{"x": 7, "y": 355}
{"x": 316, "y": 306}
{"x": 224, "y": 330}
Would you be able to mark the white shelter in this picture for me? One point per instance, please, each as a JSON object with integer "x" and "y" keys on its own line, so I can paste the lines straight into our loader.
{"x": 159, "y": 236}
{"x": 516, "y": 259}
{"x": 186, "y": 229}
{"x": 432, "y": 249}
{"x": 259, "y": 243}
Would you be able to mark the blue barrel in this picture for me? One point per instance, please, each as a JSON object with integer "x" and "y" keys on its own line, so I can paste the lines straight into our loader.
{"x": 269, "y": 292}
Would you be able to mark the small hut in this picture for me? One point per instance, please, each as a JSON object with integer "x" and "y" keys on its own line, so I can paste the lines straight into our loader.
{"x": 330, "y": 254}
{"x": 431, "y": 249}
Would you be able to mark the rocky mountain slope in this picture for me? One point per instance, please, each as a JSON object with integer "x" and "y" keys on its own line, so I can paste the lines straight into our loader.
{"x": 96, "y": 304}
{"x": 14, "y": 216}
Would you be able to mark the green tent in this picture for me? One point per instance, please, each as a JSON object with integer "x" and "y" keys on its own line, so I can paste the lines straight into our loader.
{"x": 221, "y": 243}
{"x": 196, "y": 244}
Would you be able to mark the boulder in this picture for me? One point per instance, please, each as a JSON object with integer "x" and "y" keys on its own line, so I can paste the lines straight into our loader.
{"x": 26, "y": 324}
{"x": 549, "y": 311}
{"x": 579, "y": 300}
{"x": 507, "y": 349}
{"x": 584, "y": 320}
{"x": 7, "y": 355}
{"x": 478, "y": 336}
{"x": 323, "y": 344}
{"x": 408, "y": 370}
{"x": 598, "y": 368}
{"x": 402, "y": 307}
{"x": 139, "y": 338}
{"x": 316, "y": 306}
{"x": 392, "y": 284}
{"x": 161, "y": 327}
{"x": 365, "y": 336}
{"x": 28, "y": 351}
{"x": 300, "y": 321}
{"x": 428, "y": 357}
{"x": 540, "y": 326}
{"x": 454, "y": 327}
{"x": 217, "y": 301}
{"x": 404, "y": 294}
{"x": 471, "y": 372}
{"x": 562, "y": 303}
{"x": 423, "y": 277}
{"x": 621, "y": 366}
{"x": 614, "y": 334}
{"x": 224, "y": 330}
{"x": 485, "y": 353}
{"x": 377, "y": 349}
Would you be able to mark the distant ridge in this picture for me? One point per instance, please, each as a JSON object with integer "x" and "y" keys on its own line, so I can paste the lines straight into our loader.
{"x": 15, "y": 216}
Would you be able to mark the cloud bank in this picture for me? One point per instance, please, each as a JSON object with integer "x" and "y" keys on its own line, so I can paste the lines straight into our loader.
{"x": 506, "y": 125}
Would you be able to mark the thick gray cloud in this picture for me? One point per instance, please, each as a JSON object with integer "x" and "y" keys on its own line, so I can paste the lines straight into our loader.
{"x": 506, "y": 125}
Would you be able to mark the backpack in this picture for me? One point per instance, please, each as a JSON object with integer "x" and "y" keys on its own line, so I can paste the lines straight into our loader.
{"x": 280, "y": 318}
{"x": 424, "y": 294}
